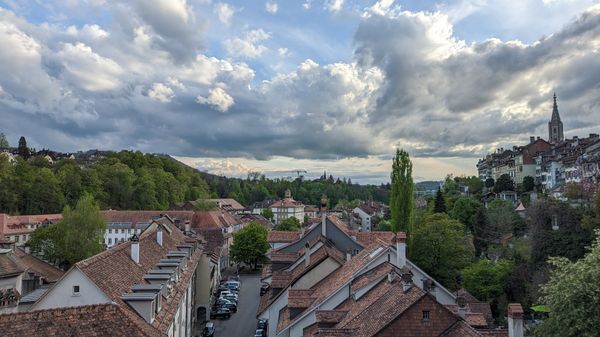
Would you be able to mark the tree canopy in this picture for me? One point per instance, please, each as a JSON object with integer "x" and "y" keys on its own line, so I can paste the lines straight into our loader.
{"x": 465, "y": 211}
{"x": 77, "y": 236}
{"x": 486, "y": 280}
{"x": 402, "y": 196}
{"x": 572, "y": 296}
{"x": 504, "y": 183}
{"x": 441, "y": 248}
{"x": 289, "y": 224}
{"x": 3, "y": 142}
{"x": 250, "y": 245}
{"x": 440, "y": 204}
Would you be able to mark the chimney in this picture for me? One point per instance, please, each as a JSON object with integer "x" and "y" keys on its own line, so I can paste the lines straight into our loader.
{"x": 135, "y": 249}
{"x": 391, "y": 276}
{"x": 461, "y": 302}
{"x": 307, "y": 254}
{"x": 188, "y": 226}
{"x": 531, "y": 139}
{"x": 324, "y": 216}
{"x": 515, "y": 320}
{"x": 159, "y": 235}
{"x": 406, "y": 279}
{"x": 400, "y": 249}
{"x": 348, "y": 255}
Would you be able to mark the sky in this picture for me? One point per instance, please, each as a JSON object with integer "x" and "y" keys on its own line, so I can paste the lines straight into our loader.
{"x": 274, "y": 86}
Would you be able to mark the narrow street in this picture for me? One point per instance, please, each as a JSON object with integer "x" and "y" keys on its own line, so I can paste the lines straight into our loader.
{"x": 243, "y": 322}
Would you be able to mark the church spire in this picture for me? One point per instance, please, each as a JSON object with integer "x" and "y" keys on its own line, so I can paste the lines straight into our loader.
{"x": 555, "y": 126}
{"x": 555, "y": 115}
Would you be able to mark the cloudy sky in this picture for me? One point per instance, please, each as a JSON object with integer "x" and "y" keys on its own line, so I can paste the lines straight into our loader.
{"x": 278, "y": 85}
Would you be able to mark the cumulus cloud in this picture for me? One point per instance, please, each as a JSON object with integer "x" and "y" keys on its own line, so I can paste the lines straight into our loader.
{"x": 247, "y": 46}
{"x": 87, "y": 69}
{"x": 224, "y": 12}
{"x": 161, "y": 93}
{"x": 218, "y": 98}
{"x": 410, "y": 82}
{"x": 334, "y": 5}
{"x": 271, "y": 7}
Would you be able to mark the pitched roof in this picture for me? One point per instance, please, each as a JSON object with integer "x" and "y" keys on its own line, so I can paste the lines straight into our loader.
{"x": 460, "y": 329}
{"x": 213, "y": 219}
{"x": 286, "y": 202}
{"x": 18, "y": 224}
{"x": 85, "y": 321}
{"x": 9, "y": 265}
{"x": 283, "y": 236}
{"x": 45, "y": 270}
{"x": 228, "y": 203}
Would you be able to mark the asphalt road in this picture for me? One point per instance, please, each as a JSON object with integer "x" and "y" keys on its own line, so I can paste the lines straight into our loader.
{"x": 243, "y": 322}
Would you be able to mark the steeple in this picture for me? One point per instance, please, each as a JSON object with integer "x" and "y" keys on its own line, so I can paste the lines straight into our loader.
{"x": 555, "y": 126}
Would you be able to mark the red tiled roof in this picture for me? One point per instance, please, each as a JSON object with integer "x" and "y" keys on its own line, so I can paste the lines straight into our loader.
{"x": 286, "y": 202}
{"x": 9, "y": 265}
{"x": 85, "y": 321}
{"x": 18, "y": 224}
{"x": 228, "y": 203}
{"x": 45, "y": 270}
{"x": 213, "y": 219}
{"x": 460, "y": 329}
{"x": 283, "y": 236}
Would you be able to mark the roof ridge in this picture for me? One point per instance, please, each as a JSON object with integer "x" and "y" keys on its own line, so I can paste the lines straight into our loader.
{"x": 9, "y": 316}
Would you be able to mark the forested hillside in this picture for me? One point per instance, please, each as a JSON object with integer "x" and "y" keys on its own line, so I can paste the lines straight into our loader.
{"x": 124, "y": 180}
{"x": 258, "y": 188}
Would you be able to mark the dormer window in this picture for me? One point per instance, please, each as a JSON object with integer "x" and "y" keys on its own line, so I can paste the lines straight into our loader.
{"x": 76, "y": 291}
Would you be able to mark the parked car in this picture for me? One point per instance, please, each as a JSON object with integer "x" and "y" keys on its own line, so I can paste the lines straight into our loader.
{"x": 223, "y": 301}
{"x": 230, "y": 298}
{"x": 260, "y": 333}
{"x": 230, "y": 306}
{"x": 264, "y": 288}
{"x": 209, "y": 330}
{"x": 220, "y": 313}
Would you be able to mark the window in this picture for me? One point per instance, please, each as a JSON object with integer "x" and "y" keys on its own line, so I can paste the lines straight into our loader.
{"x": 425, "y": 315}
{"x": 16, "y": 238}
{"x": 110, "y": 231}
{"x": 24, "y": 237}
{"x": 122, "y": 231}
{"x": 110, "y": 241}
{"x": 75, "y": 290}
{"x": 122, "y": 239}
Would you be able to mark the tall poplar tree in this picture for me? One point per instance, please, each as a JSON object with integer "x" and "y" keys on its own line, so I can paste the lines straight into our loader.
{"x": 401, "y": 197}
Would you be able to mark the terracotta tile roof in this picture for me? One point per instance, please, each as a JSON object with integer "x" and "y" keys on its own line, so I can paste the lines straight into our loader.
{"x": 283, "y": 236}
{"x": 460, "y": 329}
{"x": 367, "y": 238}
{"x": 286, "y": 202}
{"x": 9, "y": 265}
{"x": 330, "y": 316}
{"x": 370, "y": 314}
{"x": 143, "y": 216}
{"x": 284, "y": 257}
{"x": 228, "y": 203}
{"x": 45, "y": 270}
{"x": 476, "y": 319}
{"x": 84, "y": 321}
{"x": 213, "y": 219}
{"x": 339, "y": 223}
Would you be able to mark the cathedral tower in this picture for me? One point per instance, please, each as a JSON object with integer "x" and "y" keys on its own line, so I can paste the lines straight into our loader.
{"x": 555, "y": 126}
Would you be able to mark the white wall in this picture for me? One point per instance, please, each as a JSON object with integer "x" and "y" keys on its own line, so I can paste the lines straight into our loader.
{"x": 316, "y": 274}
{"x": 61, "y": 294}
{"x": 12, "y": 282}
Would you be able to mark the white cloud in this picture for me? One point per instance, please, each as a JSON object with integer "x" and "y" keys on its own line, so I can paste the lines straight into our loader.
{"x": 334, "y": 5}
{"x": 89, "y": 70}
{"x": 283, "y": 52}
{"x": 307, "y": 4}
{"x": 247, "y": 46}
{"x": 271, "y": 7}
{"x": 161, "y": 93}
{"x": 218, "y": 98}
{"x": 224, "y": 12}
{"x": 88, "y": 31}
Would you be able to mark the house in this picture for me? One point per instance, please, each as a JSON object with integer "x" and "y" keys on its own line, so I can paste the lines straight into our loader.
{"x": 225, "y": 204}
{"x": 366, "y": 212}
{"x": 257, "y": 218}
{"x": 287, "y": 208}
{"x": 333, "y": 281}
{"x": 154, "y": 281}
{"x": 18, "y": 228}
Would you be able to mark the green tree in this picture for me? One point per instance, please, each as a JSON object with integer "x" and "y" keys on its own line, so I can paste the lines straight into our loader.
{"x": 250, "y": 245}
{"x": 489, "y": 183}
{"x": 504, "y": 183}
{"x": 441, "y": 248}
{"x": 486, "y": 280}
{"x": 44, "y": 195}
{"x": 528, "y": 184}
{"x": 3, "y": 142}
{"x": 77, "y": 236}
{"x": 23, "y": 150}
{"x": 383, "y": 226}
{"x": 289, "y": 224}
{"x": 573, "y": 297}
{"x": 440, "y": 204}
{"x": 402, "y": 196}
{"x": 502, "y": 218}
{"x": 267, "y": 213}
{"x": 465, "y": 210}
